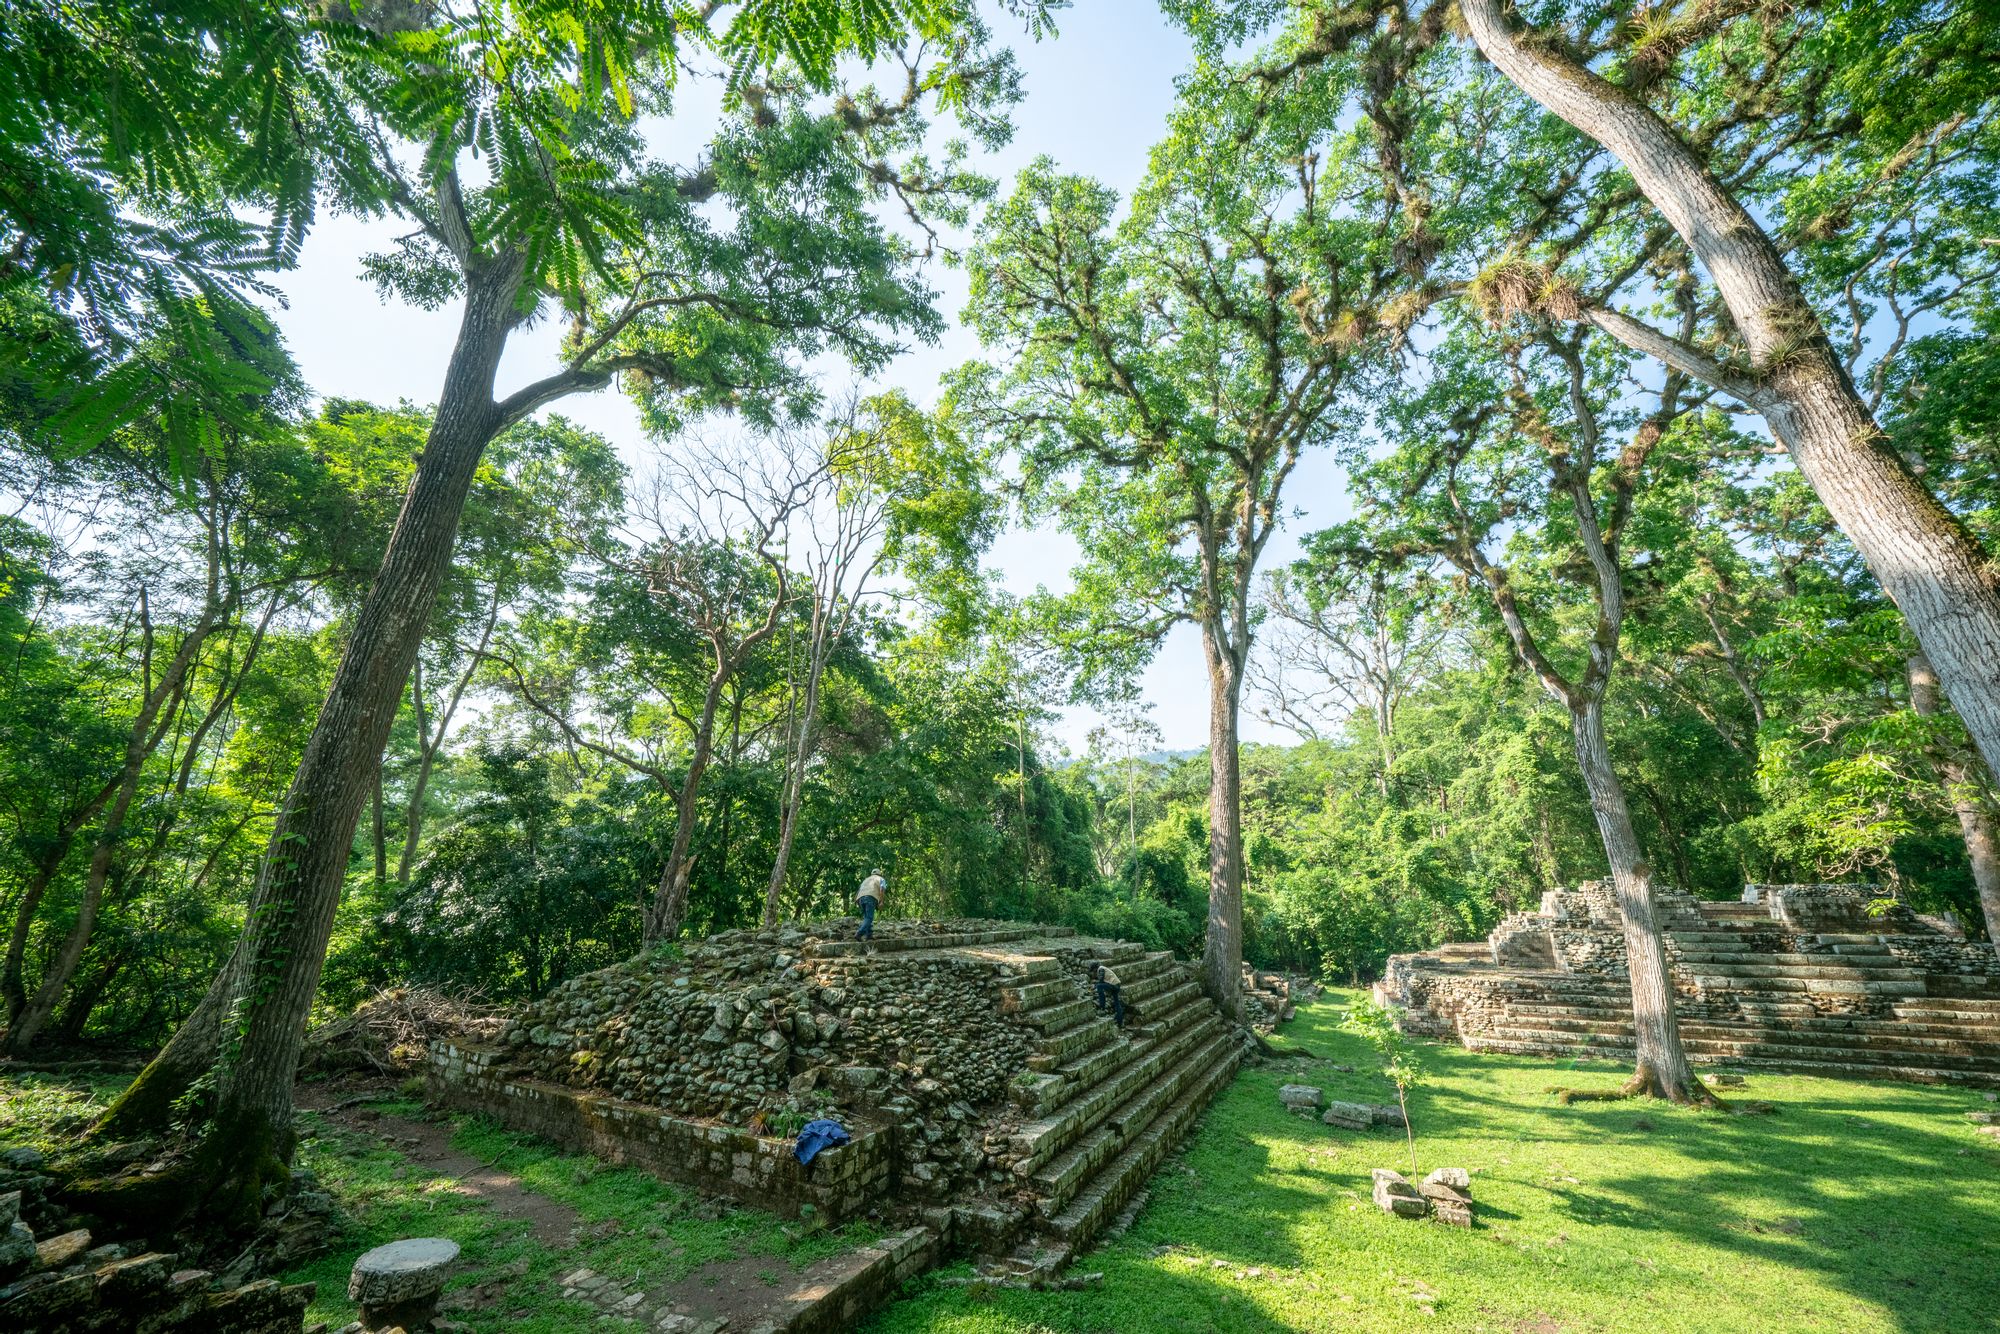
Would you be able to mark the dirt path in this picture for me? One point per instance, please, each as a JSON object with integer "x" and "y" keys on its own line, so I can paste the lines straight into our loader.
{"x": 734, "y": 1293}
{"x": 428, "y": 1145}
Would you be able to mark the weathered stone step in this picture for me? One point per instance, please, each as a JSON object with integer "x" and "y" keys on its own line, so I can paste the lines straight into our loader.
{"x": 1966, "y": 1005}
{"x": 1028, "y": 997}
{"x": 1058, "y": 1183}
{"x": 1081, "y": 1107}
{"x": 1757, "y": 972}
{"x": 1823, "y": 986}
{"x": 1148, "y": 988}
{"x": 1918, "y": 1074}
{"x": 1084, "y": 1046}
{"x": 1132, "y": 971}
{"x": 1562, "y": 1023}
{"x": 1113, "y": 1188}
{"x": 943, "y": 940}
{"x": 1772, "y": 958}
{"x": 1164, "y": 1008}
{"x": 1086, "y": 1069}
{"x": 1858, "y": 1049}
{"x": 1060, "y": 1017}
{"x": 1571, "y": 1008}
{"x": 1722, "y": 1042}
{"x": 1864, "y": 1027}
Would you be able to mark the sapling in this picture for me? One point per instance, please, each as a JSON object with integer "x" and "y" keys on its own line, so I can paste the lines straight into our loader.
{"x": 1375, "y": 1024}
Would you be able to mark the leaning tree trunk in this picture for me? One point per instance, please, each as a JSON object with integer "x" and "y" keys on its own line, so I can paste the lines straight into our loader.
{"x": 1661, "y": 1069}
{"x": 1222, "y": 949}
{"x": 267, "y": 991}
{"x": 1920, "y": 553}
{"x": 1966, "y": 791}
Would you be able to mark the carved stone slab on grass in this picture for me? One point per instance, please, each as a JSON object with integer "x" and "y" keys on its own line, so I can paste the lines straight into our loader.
{"x": 398, "y": 1284}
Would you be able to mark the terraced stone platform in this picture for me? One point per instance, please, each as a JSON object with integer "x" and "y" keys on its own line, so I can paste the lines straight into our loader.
{"x": 1803, "y": 978}
{"x": 988, "y": 1097}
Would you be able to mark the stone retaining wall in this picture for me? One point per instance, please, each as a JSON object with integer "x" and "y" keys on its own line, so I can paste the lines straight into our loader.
{"x": 718, "y": 1160}
{"x": 841, "y": 1294}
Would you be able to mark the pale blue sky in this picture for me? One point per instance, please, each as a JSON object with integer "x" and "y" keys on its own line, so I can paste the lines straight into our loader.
{"x": 1096, "y": 100}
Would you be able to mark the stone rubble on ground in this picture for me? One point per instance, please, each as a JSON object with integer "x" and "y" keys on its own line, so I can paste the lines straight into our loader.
{"x": 64, "y": 1285}
{"x": 1446, "y": 1195}
{"x": 1395, "y": 1195}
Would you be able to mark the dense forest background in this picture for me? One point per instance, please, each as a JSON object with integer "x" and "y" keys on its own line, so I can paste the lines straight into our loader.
{"x": 164, "y": 644}
{"x": 716, "y": 690}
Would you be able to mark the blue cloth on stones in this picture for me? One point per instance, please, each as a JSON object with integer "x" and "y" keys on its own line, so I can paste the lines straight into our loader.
{"x": 817, "y": 1136}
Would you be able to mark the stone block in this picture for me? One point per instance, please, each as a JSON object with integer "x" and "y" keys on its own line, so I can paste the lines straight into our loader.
{"x": 1348, "y": 1115}
{"x": 1299, "y": 1097}
{"x": 1395, "y": 1195}
{"x": 399, "y": 1283}
{"x": 1457, "y": 1178}
{"x": 63, "y": 1251}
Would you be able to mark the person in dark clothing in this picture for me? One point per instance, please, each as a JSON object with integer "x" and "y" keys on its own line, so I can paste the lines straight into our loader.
{"x": 1108, "y": 989}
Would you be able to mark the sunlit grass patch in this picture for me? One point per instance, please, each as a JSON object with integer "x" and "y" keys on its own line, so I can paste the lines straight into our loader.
{"x": 1856, "y": 1207}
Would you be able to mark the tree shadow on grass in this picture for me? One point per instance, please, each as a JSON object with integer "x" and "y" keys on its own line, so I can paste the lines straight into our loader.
{"x": 1877, "y": 1190}
{"x": 1899, "y": 1223}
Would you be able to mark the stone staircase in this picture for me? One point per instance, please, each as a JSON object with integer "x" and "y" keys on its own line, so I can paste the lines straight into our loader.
{"x": 1752, "y": 990}
{"x": 1099, "y": 1107}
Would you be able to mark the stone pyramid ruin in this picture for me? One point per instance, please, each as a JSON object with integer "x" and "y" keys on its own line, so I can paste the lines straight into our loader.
{"x": 1816, "y": 979}
{"x": 989, "y": 1101}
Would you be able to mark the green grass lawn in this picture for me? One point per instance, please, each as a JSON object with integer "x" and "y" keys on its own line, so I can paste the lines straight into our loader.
{"x": 1856, "y": 1207}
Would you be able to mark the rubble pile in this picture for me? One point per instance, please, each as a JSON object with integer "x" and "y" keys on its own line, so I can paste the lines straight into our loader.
{"x": 63, "y": 1283}
{"x": 752, "y": 1028}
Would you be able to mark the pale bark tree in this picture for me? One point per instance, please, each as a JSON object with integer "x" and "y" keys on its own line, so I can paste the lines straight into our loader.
{"x": 1923, "y": 556}
{"x": 710, "y": 558}
{"x": 1968, "y": 788}
{"x": 839, "y": 551}
{"x": 1356, "y": 649}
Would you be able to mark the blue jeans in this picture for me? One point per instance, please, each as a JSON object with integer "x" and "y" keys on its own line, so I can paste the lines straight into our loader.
{"x": 1117, "y": 1001}
{"x": 867, "y": 931}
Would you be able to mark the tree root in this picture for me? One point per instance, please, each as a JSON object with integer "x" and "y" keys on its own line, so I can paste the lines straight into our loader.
{"x": 214, "y": 1187}
{"x": 1643, "y": 1084}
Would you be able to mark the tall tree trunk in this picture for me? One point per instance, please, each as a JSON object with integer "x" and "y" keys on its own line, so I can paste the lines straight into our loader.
{"x": 1662, "y": 1067}
{"x": 378, "y": 836}
{"x": 1967, "y": 794}
{"x": 1919, "y": 552}
{"x": 669, "y": 906}
{"x": 41, "y": 1006}
{"x": 267, "y": 990}
{"x": 430, "y": 746}
{"x": 795, "y": 782}
{"x": 1222, "y": 948}
{"x": 13, "y": 975}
